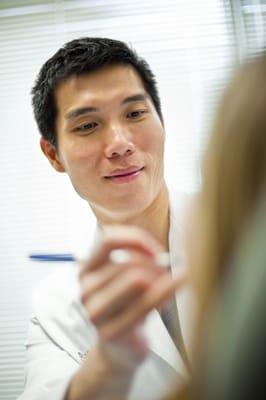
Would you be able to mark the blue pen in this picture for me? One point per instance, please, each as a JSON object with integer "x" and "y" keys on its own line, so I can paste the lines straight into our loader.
{"x": 161, "y": 259}
{"x": 63, "y": 257}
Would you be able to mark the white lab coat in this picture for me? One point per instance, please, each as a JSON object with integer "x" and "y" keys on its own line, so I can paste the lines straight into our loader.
{"x": 60, "y": 333}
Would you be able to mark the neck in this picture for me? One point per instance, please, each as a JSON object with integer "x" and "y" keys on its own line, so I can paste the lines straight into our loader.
{"x": 154, "y": 219}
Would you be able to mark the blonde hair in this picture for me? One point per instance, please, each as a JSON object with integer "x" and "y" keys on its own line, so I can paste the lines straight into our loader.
{"x": 233, "y": 175}
{"x": 233, "y": 179}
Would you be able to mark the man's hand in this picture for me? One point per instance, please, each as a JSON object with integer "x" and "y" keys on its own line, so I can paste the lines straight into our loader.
{"x": 118, "y": 296}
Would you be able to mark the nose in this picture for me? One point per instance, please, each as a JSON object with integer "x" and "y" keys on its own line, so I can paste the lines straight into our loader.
{"x": 119, "y": 144}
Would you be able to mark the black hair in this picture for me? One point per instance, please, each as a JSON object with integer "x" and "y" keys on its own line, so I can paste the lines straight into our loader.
{"x": 77, "y": 57}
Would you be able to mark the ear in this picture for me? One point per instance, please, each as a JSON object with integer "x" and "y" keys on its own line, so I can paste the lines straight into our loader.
{"x": 50, "y": 152}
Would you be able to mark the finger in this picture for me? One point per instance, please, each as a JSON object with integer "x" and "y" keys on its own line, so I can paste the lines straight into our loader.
{"x": 117, "y": 236}
{"x": 97, "y": 279}
{"x": 161, "y": 290}
{"x": 117, "y": 296}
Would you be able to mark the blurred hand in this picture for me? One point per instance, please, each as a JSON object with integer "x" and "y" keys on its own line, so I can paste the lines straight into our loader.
{"x": 118, "y": 296}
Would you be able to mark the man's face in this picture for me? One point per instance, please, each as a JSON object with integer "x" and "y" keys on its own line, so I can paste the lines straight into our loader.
{"x": 110, "y": 140}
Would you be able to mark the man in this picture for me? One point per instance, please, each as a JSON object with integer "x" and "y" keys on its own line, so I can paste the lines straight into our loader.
{"x": 98, "y": 110}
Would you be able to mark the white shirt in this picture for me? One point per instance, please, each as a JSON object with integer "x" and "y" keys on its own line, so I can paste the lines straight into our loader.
{"x": 60, "y": 333}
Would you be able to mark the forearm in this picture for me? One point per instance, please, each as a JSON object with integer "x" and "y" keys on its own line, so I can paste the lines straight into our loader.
{"x": 100, "y": 378}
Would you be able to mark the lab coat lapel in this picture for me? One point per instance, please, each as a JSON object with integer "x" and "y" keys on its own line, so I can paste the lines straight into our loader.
{"x": 185, "y": 299}
{"x": 161, "y": 343}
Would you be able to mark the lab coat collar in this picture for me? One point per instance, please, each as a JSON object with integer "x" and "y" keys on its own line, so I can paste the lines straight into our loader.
{"x": 185, "y": 297}
{"x": 161, "y": 343}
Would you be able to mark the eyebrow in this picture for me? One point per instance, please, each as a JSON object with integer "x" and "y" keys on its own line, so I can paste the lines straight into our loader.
{"x": 85, "y": 110}
{"x": 80, "y": 111}
{"x": 134, "y": 98}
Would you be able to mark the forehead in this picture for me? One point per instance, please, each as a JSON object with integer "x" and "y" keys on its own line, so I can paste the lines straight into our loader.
{"x": 97, "y": 88}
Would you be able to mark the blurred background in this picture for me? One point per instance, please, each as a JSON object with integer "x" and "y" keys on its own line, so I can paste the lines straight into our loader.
{"x": 191, "y": 45}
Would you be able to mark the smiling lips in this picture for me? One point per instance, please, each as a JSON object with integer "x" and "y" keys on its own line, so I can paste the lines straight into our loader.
{"x": 124, "y": 175}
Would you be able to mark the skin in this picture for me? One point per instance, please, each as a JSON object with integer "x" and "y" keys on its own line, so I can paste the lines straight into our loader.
{"x": 106, "y": 126}
{"x": 121, "y": 133}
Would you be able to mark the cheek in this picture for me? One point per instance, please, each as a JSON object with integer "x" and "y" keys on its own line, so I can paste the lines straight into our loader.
{"x": 152, "y": 141}
{"x": 153, "y": 147}
{"x": 78, "y": 158}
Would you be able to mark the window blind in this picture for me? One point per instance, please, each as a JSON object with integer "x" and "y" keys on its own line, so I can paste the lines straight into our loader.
{"x": 191, "y": 46}
{"x": 250, "y": 24}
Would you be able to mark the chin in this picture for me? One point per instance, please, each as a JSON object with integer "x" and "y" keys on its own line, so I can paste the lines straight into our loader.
{"x": 122, "y": 206}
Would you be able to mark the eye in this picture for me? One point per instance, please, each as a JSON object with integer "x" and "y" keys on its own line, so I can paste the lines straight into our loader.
{"x": 136, "y": 114}
{"x": 90, "y": 126}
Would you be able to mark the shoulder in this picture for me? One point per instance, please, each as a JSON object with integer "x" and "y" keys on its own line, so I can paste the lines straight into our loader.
{"x": 58, "y": 287}
{"x": 179, "y": 203}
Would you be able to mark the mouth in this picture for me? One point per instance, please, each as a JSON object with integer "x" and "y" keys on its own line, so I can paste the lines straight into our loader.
{"x": 126, "y": 175}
